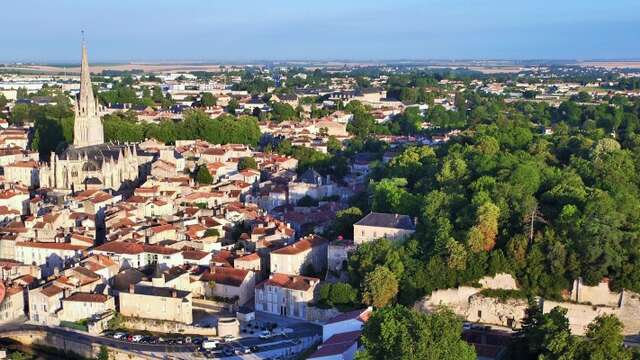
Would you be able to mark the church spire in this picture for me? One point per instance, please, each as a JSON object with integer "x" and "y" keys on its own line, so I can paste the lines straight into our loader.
{"x": 88, "y": 126}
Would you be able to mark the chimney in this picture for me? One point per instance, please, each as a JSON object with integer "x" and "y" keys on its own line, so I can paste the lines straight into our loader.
{"x": 174, "y": 293}
{"x": 132, "y": 288}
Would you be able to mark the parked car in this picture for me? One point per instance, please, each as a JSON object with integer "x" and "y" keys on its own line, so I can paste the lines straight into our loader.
{"x": 210, "y": 344}
{"x": 242, "y": 350}
{"x": 119, "y": 335}
{"x": 196, "y": 340}
{"x": 228, "y": 351}
{"x": 228, "y": 338}
{"x": 136, "y": 338}
{"x": 265, "y": 334}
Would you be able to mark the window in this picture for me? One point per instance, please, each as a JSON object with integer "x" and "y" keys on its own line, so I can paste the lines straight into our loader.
{"x": 479, "y": 314}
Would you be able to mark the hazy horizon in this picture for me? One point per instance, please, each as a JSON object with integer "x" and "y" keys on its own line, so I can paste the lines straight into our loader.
{"x": 249, "y": 31}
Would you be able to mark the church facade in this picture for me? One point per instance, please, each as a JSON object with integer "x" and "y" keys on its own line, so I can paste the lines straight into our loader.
{"x": 90, "y": 162}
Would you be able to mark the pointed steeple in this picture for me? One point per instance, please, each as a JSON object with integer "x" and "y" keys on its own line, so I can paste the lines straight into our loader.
{"x": 88, "y": 126}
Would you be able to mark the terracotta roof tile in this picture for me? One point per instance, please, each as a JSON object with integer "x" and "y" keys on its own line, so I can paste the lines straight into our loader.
{"x": 87, "y": 297}
{"x": 226, "y": 276}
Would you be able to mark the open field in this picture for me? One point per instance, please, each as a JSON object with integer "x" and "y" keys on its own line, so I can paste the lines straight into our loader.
{"x": 633, "y": 64}
{"x": 119, "y": 67}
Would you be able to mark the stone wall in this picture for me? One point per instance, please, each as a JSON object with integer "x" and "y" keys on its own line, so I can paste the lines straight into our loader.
{"x": 167, "y": 327}
{"x": 579, "y": 315}
{"x": 320, "y": 315}
{"x": 508, "y": 312}
{"x": 596, "y": 295}
{"x": 68, "y": 345}
{"x": 594, "y": 301}
{"x": 629, "y": 312}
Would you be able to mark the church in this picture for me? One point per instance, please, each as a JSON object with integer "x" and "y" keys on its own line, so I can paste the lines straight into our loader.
{"x": 90, "y": 163}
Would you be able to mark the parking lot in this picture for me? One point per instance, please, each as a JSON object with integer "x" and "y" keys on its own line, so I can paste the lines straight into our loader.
{"x": 266, "y": 335}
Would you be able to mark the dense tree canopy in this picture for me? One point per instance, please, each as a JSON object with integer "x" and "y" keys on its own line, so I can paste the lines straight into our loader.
{"x": 195, "y": 125}
{"x": 397, "y": 332}
{"x": 504, "y": 197}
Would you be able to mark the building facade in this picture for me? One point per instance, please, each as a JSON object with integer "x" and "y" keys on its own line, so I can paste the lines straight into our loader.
{"x": 286, "y": 295}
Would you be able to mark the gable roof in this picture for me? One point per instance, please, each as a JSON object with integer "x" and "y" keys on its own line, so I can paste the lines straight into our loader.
{"x": 394, "y": 221}
{"x": 294, "y": 282}
{"x": 121, "y": 247}
{"x": 87, "y": 297}
{"x": 302, "y": 245}
{"x": 226, "y": 276}
{"x": 361, "y": 315}
{"x": 337, "y": 344}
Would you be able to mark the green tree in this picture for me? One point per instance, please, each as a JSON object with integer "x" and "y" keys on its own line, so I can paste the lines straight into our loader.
{"x": 22, "y": 93}
{"x": 482, "y": 236}
{"x": 344, "y": 220}
{"x": 3, "y": 102}
{"x": 282, "y": 112}
{"x": 211, "y": 232}
{"x": 307, "y": 201}
{"x": 380, "y": 287}
{"x": 203, "y": 176}
{"x": 333, "y": 145}
{"x": 207, "y": 99}
{"x": 605, "y": 340}
{"x": 548, "y": 336}
{"x": 232, "y": 106}
{"x": 337, "y": 294}
{"x": 103, "y": 354}
{"x": 391, "y": 195}
{"x": 247, "y": 163}
{"x": 397, "y": 332}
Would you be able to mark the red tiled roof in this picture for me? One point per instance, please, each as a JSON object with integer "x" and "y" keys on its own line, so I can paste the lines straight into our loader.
{"x": 158, "y": 249}
{"x": 10, "y": 291}
{"x": 295, "y": 282}
{"x": 27, "y": 279}
{"x": 52, "y": 246}
{"x": 250, "y": 257}
{"x": 120, "y": 247}
{"x": 51, "y": 290}
{"x": 225, "y": 276}
{"x": 302, "y": 245}
{"x": 87, "y": 297}
{"x": 224, "y": 257}
{"x": 194, "y": 254}
{"x": 82, "y": 238}
{"x": 362, "y": 315}
{"x": 337, "y": 344}
{"x": 24, "y": 164}
{"x": 161, "y": 228}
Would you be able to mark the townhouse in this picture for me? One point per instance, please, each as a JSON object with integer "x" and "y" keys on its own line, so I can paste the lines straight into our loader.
{"x": 307, "y": 254}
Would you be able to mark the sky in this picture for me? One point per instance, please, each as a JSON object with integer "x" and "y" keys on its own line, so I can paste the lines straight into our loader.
{"x": 246, "y": 30}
